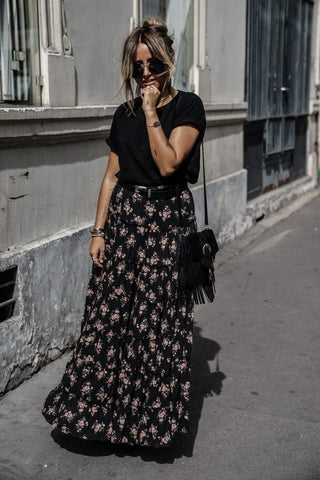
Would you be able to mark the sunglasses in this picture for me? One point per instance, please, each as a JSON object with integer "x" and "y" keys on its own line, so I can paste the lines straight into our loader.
{"x": 155, "y": 67}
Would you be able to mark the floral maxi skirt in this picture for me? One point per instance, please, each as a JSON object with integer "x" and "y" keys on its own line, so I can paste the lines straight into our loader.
{"x": 128, "y": 377}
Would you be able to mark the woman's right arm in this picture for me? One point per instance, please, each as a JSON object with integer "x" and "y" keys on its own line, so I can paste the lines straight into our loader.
{"x": 97, "y": 244}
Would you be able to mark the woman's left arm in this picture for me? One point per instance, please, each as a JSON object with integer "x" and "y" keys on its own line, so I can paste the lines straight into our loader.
{"x": 168, "y": 154}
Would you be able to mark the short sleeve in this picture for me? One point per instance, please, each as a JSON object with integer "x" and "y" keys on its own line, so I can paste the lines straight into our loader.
{"x": 112, "y": 140}
{"x": 190, "y": 111}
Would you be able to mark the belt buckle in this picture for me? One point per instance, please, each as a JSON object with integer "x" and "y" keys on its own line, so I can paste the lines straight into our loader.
{"x": 138, "y": 189}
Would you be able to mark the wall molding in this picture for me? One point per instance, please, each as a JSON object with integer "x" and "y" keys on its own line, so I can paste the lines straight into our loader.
{"x": 24, "y": 126}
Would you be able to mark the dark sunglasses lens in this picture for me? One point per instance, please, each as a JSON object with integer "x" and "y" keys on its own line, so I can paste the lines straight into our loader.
{"x": 156, "y": 67}
{"x": 137, "y": 70}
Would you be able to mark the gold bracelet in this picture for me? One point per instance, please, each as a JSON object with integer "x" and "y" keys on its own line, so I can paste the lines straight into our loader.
{"x": 97, "y": 232}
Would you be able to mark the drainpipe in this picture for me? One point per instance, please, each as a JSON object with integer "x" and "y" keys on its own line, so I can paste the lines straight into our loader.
{"x": 317, "y": 82}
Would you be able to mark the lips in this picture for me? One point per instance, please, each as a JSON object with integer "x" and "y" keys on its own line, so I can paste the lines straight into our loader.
{"x": 147, "y": 84}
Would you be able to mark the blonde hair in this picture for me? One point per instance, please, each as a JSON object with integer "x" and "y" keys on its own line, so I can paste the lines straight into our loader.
{"x": 154, "y": 34}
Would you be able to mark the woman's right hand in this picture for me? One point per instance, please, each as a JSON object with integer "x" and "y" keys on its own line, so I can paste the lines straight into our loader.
{"x": 96, "y": 250}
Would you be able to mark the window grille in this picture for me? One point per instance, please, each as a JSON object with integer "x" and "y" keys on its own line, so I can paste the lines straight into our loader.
{"x": 279, "y": 34}
{"x": 7, "y": 285}
{"x": 19, "y": 61}
{"x": 278, "y": 58}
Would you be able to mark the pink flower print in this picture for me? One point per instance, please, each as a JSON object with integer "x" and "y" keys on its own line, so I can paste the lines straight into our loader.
{"x": 90, "y": 292}
{"x": 152, "y": 297}
{"x": 89, "y": 359}
{"x": 119, "y": 291}
{"x": 103, "y": 309}
{"x": 153, "y": 429}
{"x": 175, "y": 348}
{"x": 130, "y": 276}
{"x": 79, "y": 361}
{"x": 154, "y": 227}
{"x": 151, "y": 242}
{"x": 127, "y": 208}
{"x": 166, "y": 438}
{"x": 81, "y": 423}
{"x": 154, "y": 259}
{"x": 142, "y": 308}
{"x": 123, "y": 232}
{"x": 68, "y": 416}
{"x": 141, "y": 254}
{"x": 64, "y": 429}
{"x": 167, "y": 261}
{"x": 161, "y": 415}
{"x": 115, "y": 315}
{"x": 165, "y": 342}
{"x": 98, "y": 346}
{"x": 90, "y": 338}
{"x": 182, "y": 367}
{"x": 135, "y": 403}
{"x": 149, "y": 208}
{"x": 86, "y": 389}
{"x": 131, "y": 240}
{"x": 94, "y": 409}
{"x": 101, "y": 374}
{"x": 166, "y": 213}
{"x": 122, "y": 421}
{"x": 81, "y": 406}
{"x": 121, "y": 267}
{"x": 98, "y": 426}
{"x": 99, "y": 325}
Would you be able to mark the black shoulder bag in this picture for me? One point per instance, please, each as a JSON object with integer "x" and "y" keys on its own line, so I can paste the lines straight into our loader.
{"x": 196, "y": 257}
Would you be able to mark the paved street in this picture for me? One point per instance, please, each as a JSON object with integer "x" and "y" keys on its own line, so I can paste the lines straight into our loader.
{"x": 255, "y": 418}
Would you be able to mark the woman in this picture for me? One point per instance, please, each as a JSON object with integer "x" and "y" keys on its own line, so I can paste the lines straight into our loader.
{"x": 128, "y": 379}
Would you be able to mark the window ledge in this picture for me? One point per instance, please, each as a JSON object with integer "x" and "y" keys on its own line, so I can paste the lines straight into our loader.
{"x": 22, "y": 126}
{"x": 25, "y": 125}
{"x": 224, "y": 113}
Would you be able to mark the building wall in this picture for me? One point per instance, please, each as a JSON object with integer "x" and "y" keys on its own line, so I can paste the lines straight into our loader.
{"x": 42, "y": 189}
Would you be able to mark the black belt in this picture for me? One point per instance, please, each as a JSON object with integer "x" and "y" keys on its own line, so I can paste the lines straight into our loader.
{"x": 151, "y": 192}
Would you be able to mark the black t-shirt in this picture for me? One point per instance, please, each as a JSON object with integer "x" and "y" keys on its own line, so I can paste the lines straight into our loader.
{"x": 129, "y": 140}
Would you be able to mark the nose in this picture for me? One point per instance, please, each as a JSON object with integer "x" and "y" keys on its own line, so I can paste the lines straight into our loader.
{"x": 144, "y": 67}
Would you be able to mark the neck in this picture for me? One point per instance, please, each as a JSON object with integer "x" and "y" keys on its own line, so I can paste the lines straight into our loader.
{"x": 166, "y": 97}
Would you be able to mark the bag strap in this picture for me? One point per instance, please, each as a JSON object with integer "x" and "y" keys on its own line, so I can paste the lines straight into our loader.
{"x": 206, "y": 223}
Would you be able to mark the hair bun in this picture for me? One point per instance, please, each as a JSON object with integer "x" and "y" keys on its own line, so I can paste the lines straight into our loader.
{"x": 154, "y": 22}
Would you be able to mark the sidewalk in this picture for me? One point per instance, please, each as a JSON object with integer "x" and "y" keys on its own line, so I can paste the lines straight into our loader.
{"x": 257, "y": 418}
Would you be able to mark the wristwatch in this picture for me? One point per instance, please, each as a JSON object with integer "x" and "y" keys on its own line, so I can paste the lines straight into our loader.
{"x": 155, "y": 124}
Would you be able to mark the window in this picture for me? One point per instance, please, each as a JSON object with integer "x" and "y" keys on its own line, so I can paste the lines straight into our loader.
{"x": 179, "y": 17}
{"x": 19, "y": 52}
{"x": 279, "y": 34}
{"x": 7, "y": 285}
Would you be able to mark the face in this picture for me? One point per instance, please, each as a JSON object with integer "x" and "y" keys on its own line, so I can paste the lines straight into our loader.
{"x": 144, "y": 56}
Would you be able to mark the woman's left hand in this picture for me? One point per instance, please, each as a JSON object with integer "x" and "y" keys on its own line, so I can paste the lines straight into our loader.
{"x": 150, "y": 96}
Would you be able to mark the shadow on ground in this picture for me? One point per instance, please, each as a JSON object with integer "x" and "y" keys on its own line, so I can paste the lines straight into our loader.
{"x": 204, "y": 383}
